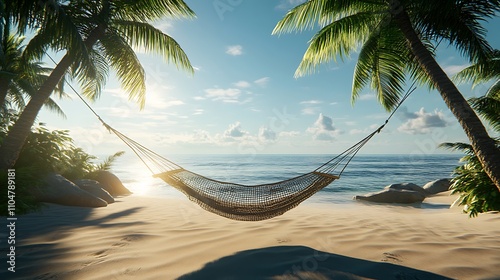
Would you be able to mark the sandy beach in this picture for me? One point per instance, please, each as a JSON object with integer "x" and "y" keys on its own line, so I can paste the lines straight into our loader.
{"x": 154, "y": 238}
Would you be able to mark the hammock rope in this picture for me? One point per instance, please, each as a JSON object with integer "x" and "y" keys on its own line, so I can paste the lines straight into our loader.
{"x": 244, "y": 202}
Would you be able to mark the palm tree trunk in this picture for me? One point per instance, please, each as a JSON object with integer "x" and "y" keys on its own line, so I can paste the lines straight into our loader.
{"x": 13, "y": 143}
{"x": 483, "y": 145}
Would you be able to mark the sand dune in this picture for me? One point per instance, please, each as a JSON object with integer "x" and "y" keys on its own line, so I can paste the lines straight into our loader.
{"x": 151, "y": 238}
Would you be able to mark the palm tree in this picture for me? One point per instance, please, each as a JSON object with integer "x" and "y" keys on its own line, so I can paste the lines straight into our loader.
{"x": 19, "y": 78}
{"x": 395, "y": 38}
{"x": 96, "y": 34}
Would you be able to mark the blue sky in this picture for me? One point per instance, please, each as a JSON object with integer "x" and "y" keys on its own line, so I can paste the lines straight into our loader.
{"x": 244, "y": 99}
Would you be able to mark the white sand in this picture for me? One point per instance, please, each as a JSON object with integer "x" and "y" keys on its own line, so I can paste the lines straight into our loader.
{"x": 151, "y": 238}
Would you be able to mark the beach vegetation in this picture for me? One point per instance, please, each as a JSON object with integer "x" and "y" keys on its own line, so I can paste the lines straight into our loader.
{"x": 477, "y": 192}
{"x": 47, "y": 151}
{"x": 396, "y": 42}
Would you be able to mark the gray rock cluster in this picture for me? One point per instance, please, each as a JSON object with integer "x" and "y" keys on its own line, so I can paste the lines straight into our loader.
{"x": 406, "y": 193}
{"x": 83, "y": 192}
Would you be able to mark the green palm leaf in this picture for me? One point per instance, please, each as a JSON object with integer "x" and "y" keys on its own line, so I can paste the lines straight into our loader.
{"x": 92, "y": 88}
{"x": 144, "y": 35}
{"x": 150, "y": 10}
{"x": 128, "y": 67}
{"x": 458, "y": 22}
{"x": 332, "y": 40}
{"x": 382, "y": 63}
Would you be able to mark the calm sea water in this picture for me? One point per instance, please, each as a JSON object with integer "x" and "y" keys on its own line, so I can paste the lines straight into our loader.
{"x": 365, "y": 173}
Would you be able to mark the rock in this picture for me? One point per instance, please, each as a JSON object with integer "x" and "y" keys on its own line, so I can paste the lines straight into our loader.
{"x": 393, "y": 196}
{"x": 408, "y": 187}
{"x": 59, "y": 190}
{"x": 110, "y": 183}
{"x": 437, "y": 186}
{"x": 94, "y": 188}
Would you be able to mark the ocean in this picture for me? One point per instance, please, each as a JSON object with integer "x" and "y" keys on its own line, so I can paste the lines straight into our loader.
{"x": 364, "y": 174}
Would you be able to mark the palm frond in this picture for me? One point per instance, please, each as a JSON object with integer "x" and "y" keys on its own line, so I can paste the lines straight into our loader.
{"x": 320, "y": 13}
{"x": 303, "y": 17}
{"x": 463, "y": 147}
{"x": 494, "y": 90}
{"x": 54, "y": 107}
{"x": 128, "y": 68}
{"x": 416, "y": 72}
{"x": 59, "y": 32}
{"x": 144, "y": 35}
{"x": 92, "y": 87}
{"x": 16, "y": 97}
{"x": 150, "y": 10}
{"x": 458, "y": 22}
{"x": 108, "y": 162}
{"x": 488, "y": 108}
{"x": 382, "y": 60}
{"x": 333, "y": 40}
{"x": 481, "y": 72}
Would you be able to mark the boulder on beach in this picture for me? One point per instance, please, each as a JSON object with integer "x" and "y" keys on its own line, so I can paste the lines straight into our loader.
{"x": 408, "y": 187}
{"x": 94, "y": 188}
{"x": 110, "y": 183}
{"x": 59, "y": 190}
{"x": 437, "y": 186}
{"x": 393, "y": 196}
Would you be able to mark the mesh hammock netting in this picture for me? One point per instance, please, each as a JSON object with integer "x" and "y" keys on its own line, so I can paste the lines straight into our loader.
{"x": 244, "y": 202}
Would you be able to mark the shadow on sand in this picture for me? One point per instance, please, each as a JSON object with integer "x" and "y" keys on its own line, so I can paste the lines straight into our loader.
{"x": 31, "y": 260}
{"x": 298, "y": 263}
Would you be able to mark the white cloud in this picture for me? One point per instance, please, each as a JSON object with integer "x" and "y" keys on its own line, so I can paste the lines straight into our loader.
{"x": 422, "y": 122}
{"x": 311, "y": 102}
{"x": 323, "y": 129}
{"x": 235, "y": 131}
{"x": 267, "y": 134}
{"x": 289, "y": 133}
{"x": 229, "y": 95}
{"x": 262, "y": 81}
{"x": 234, "y": 50}
{"x": 198, "y": 112}
{"x": 367, "y": 96}
{"x": 451, "y": 70}
{"x": 164, "y": 25}
{"x": 242, "y": 84}
{"x": 199, "y": 98}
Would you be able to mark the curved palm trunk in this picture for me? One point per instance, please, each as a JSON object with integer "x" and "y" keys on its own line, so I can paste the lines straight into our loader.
{"x": 483, "y": 145}
{"x": 13, "y": 143}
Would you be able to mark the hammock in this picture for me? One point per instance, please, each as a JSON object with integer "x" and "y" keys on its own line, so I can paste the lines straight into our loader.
{"x": 244, "y": 202}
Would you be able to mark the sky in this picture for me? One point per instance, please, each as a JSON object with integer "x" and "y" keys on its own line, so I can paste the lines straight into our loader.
{"x": 243, "y": 97}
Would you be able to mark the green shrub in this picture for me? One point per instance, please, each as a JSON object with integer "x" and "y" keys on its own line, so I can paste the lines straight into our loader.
{"x": 477, "y": 192}
{"x": 44, "y": 152}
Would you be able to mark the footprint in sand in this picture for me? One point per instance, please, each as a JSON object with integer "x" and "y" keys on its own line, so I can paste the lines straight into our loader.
{"x": 392, "y": 258}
